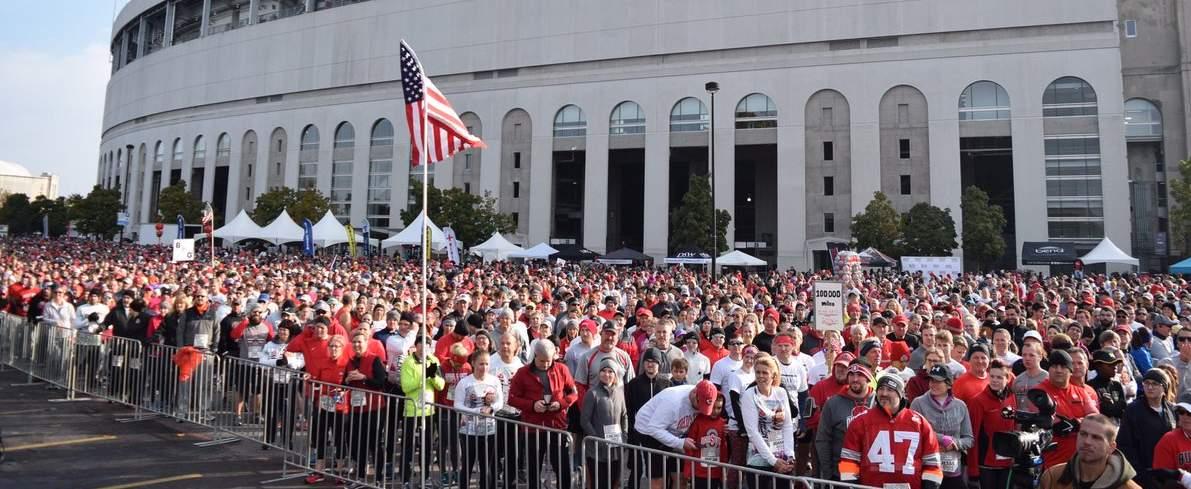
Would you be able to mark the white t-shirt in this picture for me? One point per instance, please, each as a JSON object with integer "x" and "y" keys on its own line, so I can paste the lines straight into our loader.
{"x": 469, "y": 397}
{"x": 737, "y": 382}
{"x": 721, "y": 369}
{"x": 698, "y": 366}
{"x": 504, "y": 371}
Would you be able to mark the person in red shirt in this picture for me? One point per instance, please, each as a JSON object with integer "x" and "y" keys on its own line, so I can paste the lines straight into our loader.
{"x": 1172, "y": 455}
{"x": 456, "y": 333}
{"x": 714, "y": 349}
{"x": 973, "y": 382}
{"x": 365, "y": 374}
{"x": 328, "y": 371}
{"x": 890, "y": 444}
{"x": 1072, "y": 403}
{"x": 710, "y": 434}
{"x": 985, "y": 411}
{"x": 542, "y": 391}
{"x": 834, "y": 384}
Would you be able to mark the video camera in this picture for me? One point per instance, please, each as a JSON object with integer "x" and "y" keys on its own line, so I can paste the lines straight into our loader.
{"x": 1025, "y": 446}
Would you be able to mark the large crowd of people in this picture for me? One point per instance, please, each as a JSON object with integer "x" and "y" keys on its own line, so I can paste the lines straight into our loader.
{"x": 925, "y": 375}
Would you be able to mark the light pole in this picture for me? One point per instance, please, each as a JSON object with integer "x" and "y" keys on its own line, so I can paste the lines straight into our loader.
{"x": 711, "y": 88}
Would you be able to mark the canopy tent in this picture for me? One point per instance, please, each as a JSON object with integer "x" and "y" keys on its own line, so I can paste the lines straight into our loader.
{"x": 624, "y": 256}
{"x": 281, "y": 230}
{"x": 496, "y": 248}
{"x": 737, "y": 258}
{"x": 1107, "y": 252}
{"x": 540, "y": 251}
{"x": 872, "y": 257}
{"x": 241, "y": 228}
{"x": 572, "y": 252}
{"x": 689, "y": 256}
{"x": 1047, "y": 253}
{"x": 328, "y": 231}
{"x": 412, "y": 235}
{"x": 1182, "y": 267}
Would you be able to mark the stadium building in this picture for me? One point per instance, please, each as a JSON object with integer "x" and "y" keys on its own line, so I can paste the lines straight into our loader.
{"x": 1071, "y": 114}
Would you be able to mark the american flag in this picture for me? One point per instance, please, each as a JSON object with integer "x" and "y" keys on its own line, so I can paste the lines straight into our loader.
{"x": 208, "y": 218}
{"x": 427, "y": 110}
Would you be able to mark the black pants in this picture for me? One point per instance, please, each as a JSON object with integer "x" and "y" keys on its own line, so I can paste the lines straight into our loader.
{"x": 409, "y": 440}
{"x": 326, "y": 431}
{"x": 280, "y": 409}
{"x": 959, "y": 482}
{"x": 511, "y": 441}
{"x": 480, "y": 452}
{"x": 604, "y": 474}
{"x": 701, "y": 483}
{"x": 448, "y": 440}
{"x": 363, "y": 436}
{"x": 543, "y": 446}
{"x": 994, "y": 478}
{"x": 765, "y": 481}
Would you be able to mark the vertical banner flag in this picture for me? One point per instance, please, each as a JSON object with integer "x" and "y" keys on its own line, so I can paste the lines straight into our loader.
{"x": 427, "y": 234}
{"x": 452, "y": 244}
{"x": 181, "y": 227}
{"x": 367, "y": 239}
{"x": 351, "y": 240}
{"x": 428, "y": 113}
{"x": 45, "y": 226}
{"x": 307, "y": 237}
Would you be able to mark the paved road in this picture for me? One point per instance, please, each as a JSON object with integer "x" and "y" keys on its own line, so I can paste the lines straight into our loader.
{"x": 52, "y": 445}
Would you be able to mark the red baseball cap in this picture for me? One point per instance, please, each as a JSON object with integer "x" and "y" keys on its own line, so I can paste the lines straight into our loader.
{"x": 955, "y": 324}
{"x": 589, "y": 326}
{"x": 844, "y": 359}
{"x": 641, "y": 311}
{"x": 705, "y": 395}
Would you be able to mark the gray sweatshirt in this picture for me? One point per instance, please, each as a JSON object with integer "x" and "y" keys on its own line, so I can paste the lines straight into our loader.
{"x": 837, "y": 412}
{"x": 603, "y": 406}
{"x": 950, "y": 420}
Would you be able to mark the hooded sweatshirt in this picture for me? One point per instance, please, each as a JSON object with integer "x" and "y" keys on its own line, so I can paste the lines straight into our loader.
{"x": 1118, "y": 475}
{"x": 833, "y": 424}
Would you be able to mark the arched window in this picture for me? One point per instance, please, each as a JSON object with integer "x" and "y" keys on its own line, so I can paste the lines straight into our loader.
{"x": 570, "y": 122}
{"x": 688, "y": 115}
{"x": 223, "y": 147}
{"x": 983, "y": 101}
{"x": 345, "y": 136}
{"x": 627, "y": 118}
{"x": 310, "y": 138}
{"x": 1143, "y": 120}
{"x": 200, "y": 148}
{"x": 178, "y": 149}
{"x": 382, "y": 133}
{"x": 159, "y": 154}
{"x": 1069, "y": 97}
{"x": 756, "y": 111}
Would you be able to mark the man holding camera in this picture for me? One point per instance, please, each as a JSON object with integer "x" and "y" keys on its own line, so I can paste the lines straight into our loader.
{"x": 1072, "y": 403}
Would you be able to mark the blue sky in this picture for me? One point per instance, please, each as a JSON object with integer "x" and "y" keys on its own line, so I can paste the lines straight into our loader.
{"x": 54, "y": 61}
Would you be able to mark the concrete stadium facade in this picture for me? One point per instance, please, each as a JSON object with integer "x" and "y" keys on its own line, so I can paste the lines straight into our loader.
{"x": 595, "y": 113}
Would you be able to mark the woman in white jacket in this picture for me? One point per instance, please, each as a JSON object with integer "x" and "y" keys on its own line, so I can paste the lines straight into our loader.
{"x": 283, "y": 388}
{"x": 479, "y": 393}
{"x": 766, "y": 417}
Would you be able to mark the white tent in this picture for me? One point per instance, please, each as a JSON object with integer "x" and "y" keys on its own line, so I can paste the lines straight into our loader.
{"x": 496, "y": 248}
{"x": 328, "y": 231}
{"x": 281, "y": 230}
{"x": 540, "y": 251}
{"x": 737, "y": 258}
{"x": 1107, "y": 252}
{"x": 412, "y": 235}
{"x": 241, "y": 228}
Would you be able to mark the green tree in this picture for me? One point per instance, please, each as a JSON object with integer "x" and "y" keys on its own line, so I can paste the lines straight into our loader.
{"x": 95, "y": 214}
{"x": 1180, "y": 211}
{"x": 474, "y": 218}
{"x": 879, "y": 226}
{"x": 17, "y": 214}
{"x": 307, "y": 203}
{"x": 175, "y": 200}
{"x": 690, "y": 223}
{"x": 56, "y": 209}
{"x": 927, "y": 231}
{"x": 983, "y": 224}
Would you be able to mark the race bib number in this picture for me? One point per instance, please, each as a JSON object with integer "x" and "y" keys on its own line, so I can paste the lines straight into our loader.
{"x": 254, "y": 352}
{"x": 359, "y": 399}
{"x": 134, "y": 363}
{"x": 709, "y": 454}
{"x": 450, "y": 394}
{"x": 117, "y": 361}
{"x": 949, "y": 462}
{"x": 881, "y": 452}
{"x": 202, "y": 340}
{"x": 328, "y": 401}
{"x": 612, "y": 433}
{"x": 895, "y": 486}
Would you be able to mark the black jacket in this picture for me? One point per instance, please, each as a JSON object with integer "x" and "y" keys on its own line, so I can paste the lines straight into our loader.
{"x": 167, "y": 333}
{"x": 1112, "y": 396}
{"x": 125, "y": 326}
{"x": 638, "y": 392}
{"x": 1141, "y": 428}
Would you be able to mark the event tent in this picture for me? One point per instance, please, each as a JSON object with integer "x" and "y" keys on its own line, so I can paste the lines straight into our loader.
{"x": 496, "y": 248}
{"x": 412, "y": 235}
{"x": 540, "y": 251}
{"x": 872, "y": 257}
{"x": 570, "y": 252}
{"x": 281, "y": 230}
{"x": 241, "y": 228}
{"x": 624, "y": 256}
{"x": 1107, "y": 252}
{"x": 689, "y": 256}
{"x": 328, "y": 231}
{"x": 1181, "y": 268}
{"x": 737, "y": 258}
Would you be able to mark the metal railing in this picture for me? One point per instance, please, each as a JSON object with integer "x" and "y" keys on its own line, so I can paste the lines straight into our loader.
{"x": 364, "y": 437}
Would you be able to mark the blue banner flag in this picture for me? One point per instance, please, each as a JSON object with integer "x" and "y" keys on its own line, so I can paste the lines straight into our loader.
{"x": 181, "y": 227}
{"x": 367, "y": 239}
{"x": 307, "y": 237}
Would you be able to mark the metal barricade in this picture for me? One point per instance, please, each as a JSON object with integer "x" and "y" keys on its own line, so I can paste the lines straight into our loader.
{"x": 254, "y": 399}
{"x": 165, "y": 392}
{"x": 55, "y": 355}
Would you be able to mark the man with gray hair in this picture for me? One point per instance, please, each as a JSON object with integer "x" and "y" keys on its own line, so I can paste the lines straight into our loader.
{"x": 543, "y": 391}
{"x": 506, "y": 323}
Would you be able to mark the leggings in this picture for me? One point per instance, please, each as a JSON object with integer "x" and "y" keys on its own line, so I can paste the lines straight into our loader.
{"x": 323, "y": 422}
{"x": 479, "y": 451}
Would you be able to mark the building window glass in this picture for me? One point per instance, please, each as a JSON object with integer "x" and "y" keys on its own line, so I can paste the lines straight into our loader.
{"x": 689, "y": 115}
{"x": 828, "y": 151}
{"x": 516, "y": 159}
{"x": 200, "y": 149}
{"x": 828, "y": 185}
{"x": 1130, "y": 28}
{"x": 905, "y": 185}
{"x": 310, "y": 138}
{"x": 903, "y": 149}
{"x": 516, "y": 190}
{"x": 342, "y": 166}
{"x": 345, "y": 136}
{"x": 627, "y": 118}
{"x": 1069, "y": 97}
{"x": 308, "y": 158}
{"x": 570, "y": 122}
{"x": 1143, "y": 120}
{"x": 828, "y": 222}
{"x": 223, "y": 147}
{"x": 1074, "y": 194}
{"x": 983, "y": 101}
{"x": 380, "y": 174}
{"x": 756, "y": 111}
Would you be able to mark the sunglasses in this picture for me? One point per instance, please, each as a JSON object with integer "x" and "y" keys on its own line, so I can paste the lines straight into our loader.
{"x": 1184, "y": 339}
{"x": 735, "y": 343}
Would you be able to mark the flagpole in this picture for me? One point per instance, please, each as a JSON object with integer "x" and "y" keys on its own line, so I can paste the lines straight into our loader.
{"x": 425, "y": 279}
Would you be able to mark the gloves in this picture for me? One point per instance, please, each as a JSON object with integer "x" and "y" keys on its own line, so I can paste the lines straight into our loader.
{"x": 432, "y": 370}
{"x": 1066, "y": 426}
{"x": 281, "y": 362}
{"x": 1165, "y": 475}
{"x": 930, "y": 484}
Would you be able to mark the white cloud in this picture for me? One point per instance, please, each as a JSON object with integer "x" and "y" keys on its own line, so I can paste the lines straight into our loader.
{"x": 51, "y": 111}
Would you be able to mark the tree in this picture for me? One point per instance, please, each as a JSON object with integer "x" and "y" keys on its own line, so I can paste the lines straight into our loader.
{"x": 56, "y": 209}
{"x": 982, "y": 228}
{"x": 1180, "y": 212}
{"x": 175, "y": 200}
{"x": 474, "y": 218}
{"x": 17, "y": 214}
{"x": 307, "y": 203}
{"x": 879, "y": 226}
{"x": 690, "y": 223}
{"x": 96, "y": 213}
{"x": 927, "y": 231}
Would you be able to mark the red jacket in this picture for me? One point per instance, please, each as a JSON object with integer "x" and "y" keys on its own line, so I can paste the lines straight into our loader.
{"x": 329, "y": 371}
{"x": 985, "y": 411}
{"x": 1071, "y": 402}
{"x": 820, "y": 393}
{"x": 372, "y": 367}
{"x": 711, "y": 434}
{"x": 452, "y": 374}
{"x": 526, "y": 388}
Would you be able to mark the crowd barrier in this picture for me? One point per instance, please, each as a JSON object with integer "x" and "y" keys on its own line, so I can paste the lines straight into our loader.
{"x": 360, "y": 436}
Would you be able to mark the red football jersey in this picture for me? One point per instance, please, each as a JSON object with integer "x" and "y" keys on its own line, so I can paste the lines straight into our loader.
{"x": 711, "y": 434}
{"x": 1173, "y": 451}
{"x": 879, "y": 449}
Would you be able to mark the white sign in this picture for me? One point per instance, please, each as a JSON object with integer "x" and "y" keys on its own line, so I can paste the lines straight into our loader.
{"x": 122, "y": 219}
{"x": 183, "y": 250}
{"x": 829, "y": 305}
{"x": 933, "y": 266}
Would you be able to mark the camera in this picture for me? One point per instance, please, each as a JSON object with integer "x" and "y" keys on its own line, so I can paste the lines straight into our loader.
{"x": 1025, "y": 446}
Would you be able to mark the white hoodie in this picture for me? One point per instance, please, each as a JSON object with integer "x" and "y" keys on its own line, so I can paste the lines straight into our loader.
{"x": 668, "y": 416}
